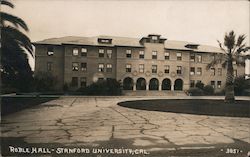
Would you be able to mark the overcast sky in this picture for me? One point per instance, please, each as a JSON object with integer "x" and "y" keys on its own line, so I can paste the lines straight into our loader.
{"x": 202, "y": 22}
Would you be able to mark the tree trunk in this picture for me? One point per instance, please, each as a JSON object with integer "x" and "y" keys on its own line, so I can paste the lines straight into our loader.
{"x": 229, "y": 89}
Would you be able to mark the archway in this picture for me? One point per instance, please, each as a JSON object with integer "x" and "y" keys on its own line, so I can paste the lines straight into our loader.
{"x": 178, "y": 84}
{"x": 141, "y": 84}
{"x": 128, "y": 83}
{"x": 154, "y": 84}
{"x": 166, "y": 84}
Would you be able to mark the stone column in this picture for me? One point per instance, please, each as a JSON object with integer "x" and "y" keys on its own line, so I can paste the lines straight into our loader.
{"x": 159, "y": 88}
{"x": 134, "y": 87}
{"x": 172, "y": 87}
{"x": 147, "y": 86}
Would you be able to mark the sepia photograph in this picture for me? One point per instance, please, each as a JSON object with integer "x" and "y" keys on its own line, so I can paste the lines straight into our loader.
{"x": 121, "y": 78}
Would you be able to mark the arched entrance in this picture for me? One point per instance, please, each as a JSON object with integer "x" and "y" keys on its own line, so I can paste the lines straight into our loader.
{"x": 178, "y": 84}
{"x": 128, "y": 83}
{"x": 141, "y": 84}
{"x": 154, "y": 84}
{"x": 166, "y": 84}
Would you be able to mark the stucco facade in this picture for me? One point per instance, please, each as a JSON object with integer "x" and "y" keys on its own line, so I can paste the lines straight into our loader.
{"x": 147, "y": 63}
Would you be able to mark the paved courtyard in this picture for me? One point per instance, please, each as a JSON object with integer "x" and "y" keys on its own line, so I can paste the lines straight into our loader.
{"x": 98, "y": 121}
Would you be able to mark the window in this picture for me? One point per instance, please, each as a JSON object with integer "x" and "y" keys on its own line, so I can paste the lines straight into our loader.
{"x": 179, "y": 56}
{"x": 212, "y": 71}
{"x": 199, "y": 58}
{"x": 75, "y": 52}
{"x": 179, "y": 70}
{"x": 154, "y": 54}
{"x": 235, "y": 73}
{"x": 128, "y": 67}
{"x": 166, "y": 69}
{"x": 101, "y": 67}
{"x": 50, "y": 51}
{"x": 109, "y": 53}
{"x": 100, "y": 79}
{"x": 74, "y": 82}
{"x": 83, "y": 81}
{"x": 101, "y": 53}
{"x": 109, "y": 67}
{"x": 212, "y": 57}
{"x": 192, "y": 83}
{"x": 234, "y": 62}
{"x": 141, "y": 68}
{"x": 128, "y": 53}
{"x": 154, "y": 68}
{"x": 75, "y": 66}
{"x": 218, "y": 84}
{"x": 213, "y": 84}
{"x": 192, "y": 70}
{"x": 154, "y": 37}
{"x": 84, "y": 52}
{"x": 219, "y": 71}
{"x": 199, "y": 71}
{"x": 166, "y": 54}
{"x": 49, "y": 66}
{"x": 192, "y": 57}
{"x": 83, "y": 66}
{"x": 141, "y": 54}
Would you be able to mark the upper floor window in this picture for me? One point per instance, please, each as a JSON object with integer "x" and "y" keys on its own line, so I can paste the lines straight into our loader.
{"x": 83, "y": 66}
{"x": 199, "y": 71}
{"x": 101, "y": 53}
{"x": 109, "y": 67}
{"x": 154, "y": 68}
{"x": 101, "y": 67}
{"x": 212, "y": 57}
{"x": 213, "y": 84}
{"x": 218, "y": 84}
{"x": 128, "y": 67}
{"x": 212, "y": 71}
{"x": 192, "y": 57}
{"x": 75, "y": 52}
{"x": 83, "y": 52}
{"x": 49, "y": 66}
{"x": 179, "y": 70}
{"x": 179, "y": 56}
{"x": 50, "y": 51}
{"x": 166, "y": 69}
{"x": 219, "y": 71}
{"x": 128, "y": 53}
{"x": 74, "y": 82}
{"x": 141, "y": 54}
{"x": 109, "y": 53}
{"x": 141, "y": 68}
{"x": 154, "y": 54}
{"x": 166, "y": 54}
{"x": 83, "y": 81}
{"x": 192, "y": 70}
{"x": 199, "y": 58}
{"x": 154, "y": 38}
{"x": 75, "y": 66}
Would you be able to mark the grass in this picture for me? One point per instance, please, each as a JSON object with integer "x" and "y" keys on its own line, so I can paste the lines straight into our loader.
{"x": 198, "y": 107}
{"x": 14, "y": 104}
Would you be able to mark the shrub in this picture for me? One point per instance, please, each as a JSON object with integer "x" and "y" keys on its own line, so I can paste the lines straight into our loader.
{"x": 208, "y": 90}
{"x": 44, "y": 82}
{"x": 199, "y": 85}
{"x": 104, "y": 87}
{"x": 240, "y": 85}
{"x": 195, "y": 92}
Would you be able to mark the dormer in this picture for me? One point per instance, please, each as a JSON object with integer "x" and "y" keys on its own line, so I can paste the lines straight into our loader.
{"x": 104, "y": 41}
{"x": 152, "y": 38}
{"x": 192, "y": 46}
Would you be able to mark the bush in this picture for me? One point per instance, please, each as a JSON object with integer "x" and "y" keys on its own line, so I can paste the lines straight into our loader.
{"x": 195, "y": 92}
{"x": 44, "y": 82}
{"x": 208, "y": 90}
{"x": 240, "y": 85}
{"x": 104, "y": 87}
{"x": 199, "y": 85}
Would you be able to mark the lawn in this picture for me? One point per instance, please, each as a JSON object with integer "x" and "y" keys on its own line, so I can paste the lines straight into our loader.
{"x": 199, "y": 107}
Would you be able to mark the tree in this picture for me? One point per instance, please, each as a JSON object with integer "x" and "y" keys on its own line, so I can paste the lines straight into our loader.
{"x": 233, "y": 52}
{"x": 15, "y": 70}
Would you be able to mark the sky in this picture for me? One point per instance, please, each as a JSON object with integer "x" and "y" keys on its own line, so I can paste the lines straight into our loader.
{"x": 202, "y": 22}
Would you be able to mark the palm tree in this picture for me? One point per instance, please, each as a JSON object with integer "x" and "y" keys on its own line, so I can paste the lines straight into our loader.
{"x": 14, "y": 68}
{"x": 233, "y": 52}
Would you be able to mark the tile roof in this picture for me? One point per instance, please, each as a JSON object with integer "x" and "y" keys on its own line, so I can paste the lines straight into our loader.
{"x": 125, "y": 41}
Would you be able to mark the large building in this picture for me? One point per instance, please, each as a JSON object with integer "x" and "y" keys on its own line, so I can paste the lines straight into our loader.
{"x": 147, "y": 63}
